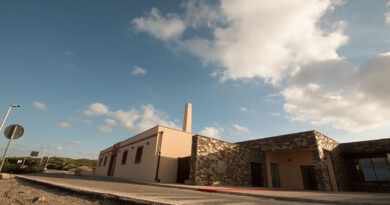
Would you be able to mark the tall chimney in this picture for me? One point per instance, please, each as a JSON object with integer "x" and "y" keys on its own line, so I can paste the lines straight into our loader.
{"x": 187, "y": 118}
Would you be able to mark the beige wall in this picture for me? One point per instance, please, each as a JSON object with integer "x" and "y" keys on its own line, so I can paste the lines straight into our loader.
{"x": 289, "y": 171}
{"x": 102, "y": 170}
{"x": 174, "y": 144}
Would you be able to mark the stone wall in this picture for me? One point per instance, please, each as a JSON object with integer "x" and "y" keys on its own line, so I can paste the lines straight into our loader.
{"x": 312, "y": 140}
{"x": 215, "y": 162}
{"x": 327, "y": 144}
{"x": 347, "y": 152}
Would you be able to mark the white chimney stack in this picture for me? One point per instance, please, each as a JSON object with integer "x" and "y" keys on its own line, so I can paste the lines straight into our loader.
{"x": 187, "y": 118}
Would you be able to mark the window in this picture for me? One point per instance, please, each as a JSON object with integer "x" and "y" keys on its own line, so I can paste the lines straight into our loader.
{"x": 374, "y": 169}
{"x": 138, "y": 155}
{"x": 100, "y": 161}
{"x": 105, "y": 160}
{"x": 124, "y": 157}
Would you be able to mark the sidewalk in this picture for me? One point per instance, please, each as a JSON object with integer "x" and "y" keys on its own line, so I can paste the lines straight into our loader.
{"x": 266, "y": 193}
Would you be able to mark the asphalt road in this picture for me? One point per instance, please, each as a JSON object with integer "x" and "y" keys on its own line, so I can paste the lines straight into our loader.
{"x": 150, "y": 193}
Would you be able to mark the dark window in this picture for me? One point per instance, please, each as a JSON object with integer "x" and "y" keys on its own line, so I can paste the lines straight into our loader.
{"x": 100, "y": 161}
{"x": 124, "y": 157}
{"x": 138, "y": 155}
{"x": 105, "y": 160}
{"x": 375, "y": 169}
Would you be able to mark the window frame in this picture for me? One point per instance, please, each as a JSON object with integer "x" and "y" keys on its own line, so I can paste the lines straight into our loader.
{"x": 124, "y": 157}
{"x": 361, "y": 173}
{"x": 138, "y": 155}
{"x": 100, "y": 161}
{"x": 105, "y": 161}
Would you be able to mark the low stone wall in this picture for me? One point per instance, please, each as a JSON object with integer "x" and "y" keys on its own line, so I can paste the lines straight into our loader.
{"x": 215, "y": 162}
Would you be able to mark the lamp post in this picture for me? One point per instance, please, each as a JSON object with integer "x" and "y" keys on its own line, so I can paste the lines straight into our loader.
{"x": 6, "y": 115}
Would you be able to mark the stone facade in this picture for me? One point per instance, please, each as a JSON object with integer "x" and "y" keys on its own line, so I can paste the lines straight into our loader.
{"x": 348, "y": 152}
{"x": 312, "y": 140}
{"x": 215, "y": 162}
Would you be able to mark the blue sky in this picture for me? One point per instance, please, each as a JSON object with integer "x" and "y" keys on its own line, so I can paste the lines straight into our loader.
{"x": 91, "y": 73}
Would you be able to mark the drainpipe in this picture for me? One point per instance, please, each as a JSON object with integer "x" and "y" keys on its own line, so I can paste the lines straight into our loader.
{"x": 159, "y": 155}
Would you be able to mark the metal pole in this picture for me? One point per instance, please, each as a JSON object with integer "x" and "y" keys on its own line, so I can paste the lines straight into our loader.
{"x": 6, "y": 150}
{"x": 24, "y": 160}
{"x": 43, "y": 154}
{"x": 5, "y": 117}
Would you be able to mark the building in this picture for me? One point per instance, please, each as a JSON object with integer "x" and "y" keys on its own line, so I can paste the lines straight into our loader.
{"x": 300, "y": 161}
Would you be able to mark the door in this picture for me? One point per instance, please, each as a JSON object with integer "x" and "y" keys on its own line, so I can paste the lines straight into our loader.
{"x": 183, "y": 169}
{"x": 275, "y": 175}
{"x": 111, "y": 167}
{"x": 309, "y": 178}
{"x": 256, "y": 174}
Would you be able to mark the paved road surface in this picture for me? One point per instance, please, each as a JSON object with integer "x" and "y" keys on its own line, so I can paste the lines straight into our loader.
{"x": 150, "y": 193}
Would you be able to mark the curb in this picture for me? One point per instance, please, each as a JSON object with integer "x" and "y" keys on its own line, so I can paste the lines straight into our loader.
{"x": 129, "y": 199}
{"x": 103, "y": 195}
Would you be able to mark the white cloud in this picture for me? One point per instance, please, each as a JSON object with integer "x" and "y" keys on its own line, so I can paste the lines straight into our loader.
{"x": 88, "y": 154}
{"x": 274, "y": 114}
{"x": 243, "y": 109}
{"x": 241, "y": 128}
{"x": 108, "y": 126}
{"x": 69, "y": 53}
{"x": 59, "y": 148}
{"x": 76, "y": 142}
{"x": 63, "y": 124}
{"x": 132, "y": 119}
{"x": 138, "y": 71}
{"x": 263, "y": 39}
{"x": 387, "y": 13}
{"x": 96, "y": 109}
{"x": 88, "y": 122}
{"x": 164, "y": 28}
{"x": 213, "y": 132}
{"x": 334, "y": 93}
{"x": 39, "y": 105}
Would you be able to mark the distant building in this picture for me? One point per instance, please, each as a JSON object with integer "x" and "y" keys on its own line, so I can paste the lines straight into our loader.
{"x": 300, "y": 161}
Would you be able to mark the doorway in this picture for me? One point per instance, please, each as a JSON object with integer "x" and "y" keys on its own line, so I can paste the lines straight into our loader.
{"x": 183, "y": 169}
{"x": 275, "y": 175}
{"x": 309, "y": 178}
{"x": 256, "y": 174}
{"x": 111, "y": 167}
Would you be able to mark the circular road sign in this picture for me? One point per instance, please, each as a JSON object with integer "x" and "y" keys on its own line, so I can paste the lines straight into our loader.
{"x": 10, "y": 129}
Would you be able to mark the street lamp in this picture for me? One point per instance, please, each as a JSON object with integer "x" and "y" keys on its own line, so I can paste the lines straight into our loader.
{"x": 6, "y": 115}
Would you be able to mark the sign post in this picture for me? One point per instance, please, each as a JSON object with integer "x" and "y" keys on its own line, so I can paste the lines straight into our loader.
{"x": 11, "y": 132}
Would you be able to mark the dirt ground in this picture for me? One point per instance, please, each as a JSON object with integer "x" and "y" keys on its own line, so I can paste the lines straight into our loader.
{"x": 18, "y": 191}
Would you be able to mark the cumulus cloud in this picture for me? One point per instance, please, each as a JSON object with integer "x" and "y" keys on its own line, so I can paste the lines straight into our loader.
{"x": 88, "y": 154}
{"x": 334, "y": 93}
{"x": 161, "y": 27}
{"x": 39, "y": 105}
{"x": 132, "y": 119}
{"x": 241, "y": 128}
{"x": 243, "y": 109}
{"x": 63, "y": 124}
{"x": 69, "y": 53}
{"x": 213, "y": 132}
{"x": 274, "y": 114}
{"x": 59, "y": 148}
{"x": 263, "y": 39}
{"x": 387, "y": 13}
{"x": 96, "y": 109}
{"x": 76, "y": 142}
{"x": 108, "y": 126}
{"x": 138, "y": 71}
